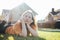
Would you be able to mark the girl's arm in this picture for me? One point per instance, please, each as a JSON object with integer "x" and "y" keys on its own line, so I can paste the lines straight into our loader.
{"x": 34, "y": 32}
{"x": 24, "y": 31}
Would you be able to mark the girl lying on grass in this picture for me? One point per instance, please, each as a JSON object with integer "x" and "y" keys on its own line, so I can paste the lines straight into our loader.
{"x": 25, "y": 26}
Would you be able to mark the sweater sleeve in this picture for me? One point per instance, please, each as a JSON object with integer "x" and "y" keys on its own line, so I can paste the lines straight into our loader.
{"x": 17, "y": 28}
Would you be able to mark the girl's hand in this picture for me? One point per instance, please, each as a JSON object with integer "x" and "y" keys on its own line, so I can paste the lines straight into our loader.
{"x": 21, "y": 20}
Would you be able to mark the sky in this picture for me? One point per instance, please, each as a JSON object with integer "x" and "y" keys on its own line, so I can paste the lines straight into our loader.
{"x": 42, "y": 7}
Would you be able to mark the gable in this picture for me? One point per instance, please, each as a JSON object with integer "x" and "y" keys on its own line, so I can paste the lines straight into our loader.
{"x": 22, "y": 8}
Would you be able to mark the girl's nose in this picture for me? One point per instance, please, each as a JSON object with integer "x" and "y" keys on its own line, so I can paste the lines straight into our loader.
{"x": 27, "y": 19}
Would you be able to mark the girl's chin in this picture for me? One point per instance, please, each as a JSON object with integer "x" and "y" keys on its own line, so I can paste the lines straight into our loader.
{"x": 26, "y": 21}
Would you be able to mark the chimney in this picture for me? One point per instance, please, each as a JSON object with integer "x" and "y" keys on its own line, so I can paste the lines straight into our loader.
{"x": 52, "y": 9}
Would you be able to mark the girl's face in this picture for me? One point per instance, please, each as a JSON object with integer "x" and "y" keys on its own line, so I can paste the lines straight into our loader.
{"x": 27, "y": 18}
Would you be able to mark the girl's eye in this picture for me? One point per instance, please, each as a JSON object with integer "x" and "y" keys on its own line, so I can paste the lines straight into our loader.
{"x": 29, "y": 17}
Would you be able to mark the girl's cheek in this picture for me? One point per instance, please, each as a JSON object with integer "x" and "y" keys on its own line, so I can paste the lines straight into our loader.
{"x": 30, "y": 20}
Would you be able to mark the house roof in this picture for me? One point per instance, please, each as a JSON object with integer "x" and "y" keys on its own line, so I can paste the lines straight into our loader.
{"x": 18, "y": 11}
{"x": 22, "y": 8}
{"x": 55, "y": 12}
{"x": 5, "y": 10}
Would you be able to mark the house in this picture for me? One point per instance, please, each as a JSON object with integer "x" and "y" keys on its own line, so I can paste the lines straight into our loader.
{"x": 15, "y": 13}
{"x": 7, "y": 15}
{"x": 50, "y": 19}
{"x": 53, "y": 17}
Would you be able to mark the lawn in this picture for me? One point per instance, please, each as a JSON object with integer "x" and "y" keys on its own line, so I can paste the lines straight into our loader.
{"x": 43, "y": 35}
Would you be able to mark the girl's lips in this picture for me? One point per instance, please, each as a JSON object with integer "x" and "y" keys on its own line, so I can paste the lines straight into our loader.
{"x": 26, "y": 21}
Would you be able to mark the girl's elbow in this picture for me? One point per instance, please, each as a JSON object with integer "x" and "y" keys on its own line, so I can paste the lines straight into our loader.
{"x": 35, "y": 34}
{"x": 24, "y": 34}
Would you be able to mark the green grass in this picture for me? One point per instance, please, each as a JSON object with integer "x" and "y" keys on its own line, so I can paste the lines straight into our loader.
{"x": 43, "y": 35}
{"x": 15, "y": 37}
{"x": 49, "y": 35}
